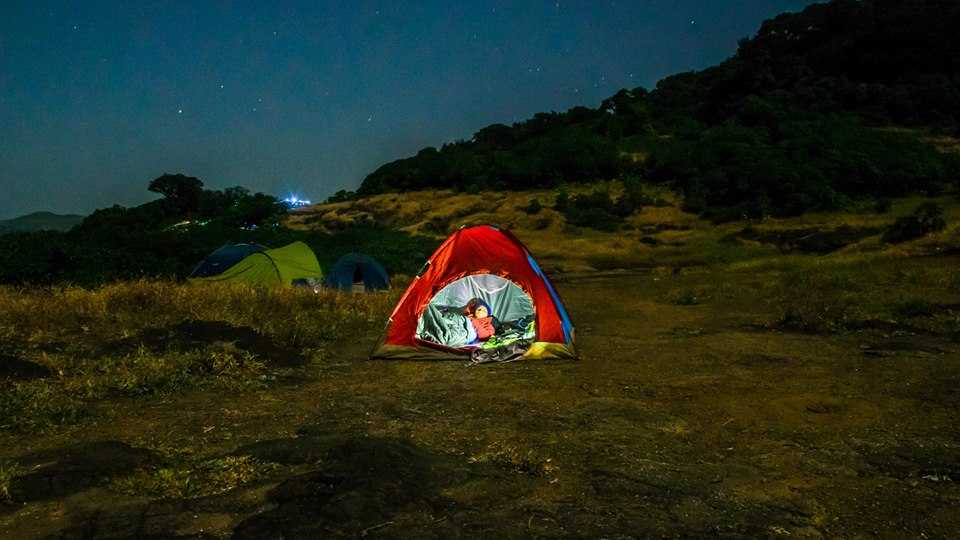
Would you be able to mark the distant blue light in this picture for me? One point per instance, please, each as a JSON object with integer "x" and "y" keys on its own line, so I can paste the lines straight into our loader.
{"x": 295, "y": 202}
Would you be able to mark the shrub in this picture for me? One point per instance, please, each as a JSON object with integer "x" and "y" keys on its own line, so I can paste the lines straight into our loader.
{"x": 794, "y": 162}
{"x": 533, "y": 207}
{"x": 928, "y": 218}
{"x": 600, "y": 209}
{"x": 909, "y": 309}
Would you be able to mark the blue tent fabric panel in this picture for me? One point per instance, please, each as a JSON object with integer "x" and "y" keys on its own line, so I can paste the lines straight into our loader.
{"x": 567, "y": 325}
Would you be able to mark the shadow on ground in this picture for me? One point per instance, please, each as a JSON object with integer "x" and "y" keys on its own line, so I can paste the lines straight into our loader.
{"x": 193, "y": 334}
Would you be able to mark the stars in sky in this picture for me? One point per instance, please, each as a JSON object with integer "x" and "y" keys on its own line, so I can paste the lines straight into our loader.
{"x": 440, "y": 70}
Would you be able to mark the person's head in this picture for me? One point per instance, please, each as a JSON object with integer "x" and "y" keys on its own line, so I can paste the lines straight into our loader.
{"x": 477, "y": 308}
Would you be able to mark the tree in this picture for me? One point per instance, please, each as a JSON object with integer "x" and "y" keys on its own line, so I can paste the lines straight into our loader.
{"x": 256, "y": 210}
{"x": 182, "y": 193}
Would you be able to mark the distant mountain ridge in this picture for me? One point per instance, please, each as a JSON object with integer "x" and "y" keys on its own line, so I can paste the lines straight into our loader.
{"x": 40, "y": 221}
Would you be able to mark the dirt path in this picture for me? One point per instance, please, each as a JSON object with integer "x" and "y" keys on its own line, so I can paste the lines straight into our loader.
{"x": 679, "y": 421}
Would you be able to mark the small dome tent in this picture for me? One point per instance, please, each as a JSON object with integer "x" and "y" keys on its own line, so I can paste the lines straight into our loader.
{"x": 224, "y": 257}
{"x": 355, "y": 268}
{"x": 271, "y": 268}
{"x": 477, "y": 265}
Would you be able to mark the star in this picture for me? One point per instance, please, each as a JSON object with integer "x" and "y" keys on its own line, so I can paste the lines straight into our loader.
{"x": 221, "y": 87}
{"x": 179, "y": 111}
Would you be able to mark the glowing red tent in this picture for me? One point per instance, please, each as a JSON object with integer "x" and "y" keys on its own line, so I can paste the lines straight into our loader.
{"x": 486, "y": 263}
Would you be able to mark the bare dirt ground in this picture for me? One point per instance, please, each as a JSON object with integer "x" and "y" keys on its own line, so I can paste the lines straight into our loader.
{"x": 679, "y": 421}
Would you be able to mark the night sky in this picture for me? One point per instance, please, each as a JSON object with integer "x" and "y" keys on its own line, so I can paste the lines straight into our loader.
{"x": 98, "y": 98}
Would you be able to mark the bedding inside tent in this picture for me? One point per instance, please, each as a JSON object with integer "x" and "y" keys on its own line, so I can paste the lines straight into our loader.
{"x": 444, "y": 323}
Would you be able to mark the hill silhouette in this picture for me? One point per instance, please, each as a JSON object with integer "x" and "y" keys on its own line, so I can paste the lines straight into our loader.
{"x": 798, "y": 119}
{"x": 40, "y": 221}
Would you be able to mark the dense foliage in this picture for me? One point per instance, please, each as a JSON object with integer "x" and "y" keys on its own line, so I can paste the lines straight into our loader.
{"x": 769, "y": 161}
{"x": 795, "y": 120}
{"x": 601, "y": 209}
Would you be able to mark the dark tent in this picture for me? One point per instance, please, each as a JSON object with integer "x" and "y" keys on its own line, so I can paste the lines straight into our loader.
{"x": 357, "y": 268}
{"x": 223, "y": 258}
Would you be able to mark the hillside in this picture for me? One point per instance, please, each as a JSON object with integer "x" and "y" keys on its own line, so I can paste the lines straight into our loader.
{"x": 40, "y": 221}
{"x": 797, "y": 120}
{"x": 658, "y": 234}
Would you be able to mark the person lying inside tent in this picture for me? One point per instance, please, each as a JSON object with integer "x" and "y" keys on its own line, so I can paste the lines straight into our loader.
{"x": 478, "y": 315}
{"x": 471, "y": 326}
{"x": 458, "y": 327}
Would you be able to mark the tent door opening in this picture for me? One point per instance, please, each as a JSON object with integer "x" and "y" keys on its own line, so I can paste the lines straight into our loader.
{"x": 445, "y": 321}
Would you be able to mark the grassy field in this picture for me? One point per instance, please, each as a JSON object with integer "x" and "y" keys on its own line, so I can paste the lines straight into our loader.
{"x": 732, "y": 383}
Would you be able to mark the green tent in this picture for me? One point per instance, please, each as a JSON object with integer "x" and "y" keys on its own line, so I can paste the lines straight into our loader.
{"x": 271, "y": 268}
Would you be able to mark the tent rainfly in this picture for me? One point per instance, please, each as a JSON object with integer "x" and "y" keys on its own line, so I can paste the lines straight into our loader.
{"x": 224, "y": 257}
{"x": 271, "y": 268}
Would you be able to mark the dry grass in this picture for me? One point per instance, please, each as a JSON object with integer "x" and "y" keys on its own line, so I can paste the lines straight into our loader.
{"x": 653, "y": 237}
{"x": 294, "y": 316}
{"x": 155, "y": 338}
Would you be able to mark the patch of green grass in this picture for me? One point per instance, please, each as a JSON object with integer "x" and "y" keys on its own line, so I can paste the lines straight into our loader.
{"x": 35, "y": 405}
{"x": 187, "y": 480}
{"x": 143, "y": 373}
